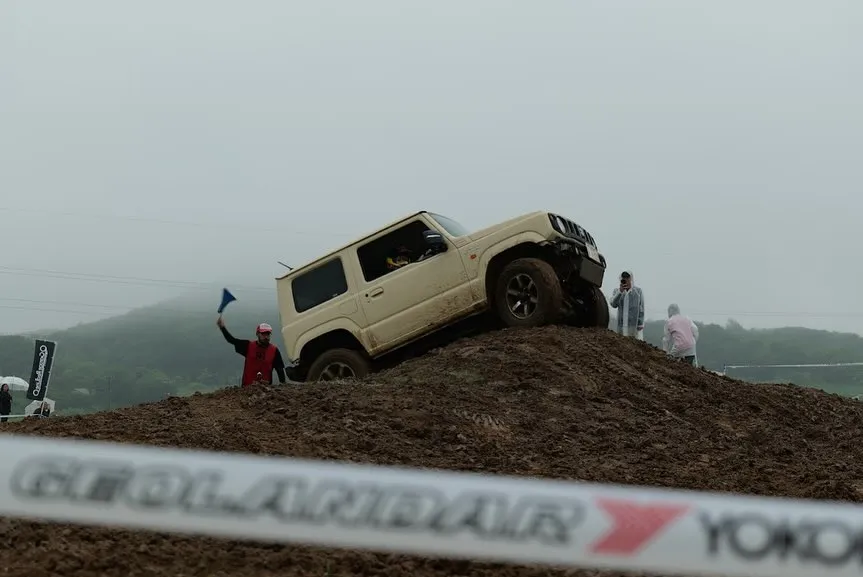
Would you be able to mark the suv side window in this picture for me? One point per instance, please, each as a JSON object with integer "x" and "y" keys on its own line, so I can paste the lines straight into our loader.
{"x": 373, "y": 255}
{"x": 319, "y": 285}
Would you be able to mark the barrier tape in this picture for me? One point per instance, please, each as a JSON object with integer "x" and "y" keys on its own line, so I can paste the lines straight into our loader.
{"x": 427, "y": 512}
{"x": 815, "y": 365}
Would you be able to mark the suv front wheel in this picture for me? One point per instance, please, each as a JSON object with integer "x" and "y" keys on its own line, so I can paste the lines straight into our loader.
{"x": 590, "y": 309}
{"x": 528, "y": 294}
{"x": 339, "y": 364}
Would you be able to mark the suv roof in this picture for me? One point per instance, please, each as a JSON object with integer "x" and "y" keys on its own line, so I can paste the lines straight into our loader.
{"x": 301, "y": 268}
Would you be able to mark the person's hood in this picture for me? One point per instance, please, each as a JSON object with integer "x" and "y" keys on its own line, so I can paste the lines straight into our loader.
{"x": 673, "y": 309}
{"x": 631, "y": 276}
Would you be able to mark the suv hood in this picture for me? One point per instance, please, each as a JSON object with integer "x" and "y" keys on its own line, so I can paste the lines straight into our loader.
{"x": 483, "y": 232}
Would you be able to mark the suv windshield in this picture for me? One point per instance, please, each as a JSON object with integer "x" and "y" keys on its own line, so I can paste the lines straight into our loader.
{"x": 452, "y": 227}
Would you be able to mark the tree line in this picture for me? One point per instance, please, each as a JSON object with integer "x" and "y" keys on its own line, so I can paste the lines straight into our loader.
{"x": 151, "y": 353}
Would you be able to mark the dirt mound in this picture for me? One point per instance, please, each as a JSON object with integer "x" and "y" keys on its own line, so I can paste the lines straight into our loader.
{"x": 565, "y": 403}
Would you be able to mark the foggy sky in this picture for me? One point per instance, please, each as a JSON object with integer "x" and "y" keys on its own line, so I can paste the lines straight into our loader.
{"x": 712, "y": 147}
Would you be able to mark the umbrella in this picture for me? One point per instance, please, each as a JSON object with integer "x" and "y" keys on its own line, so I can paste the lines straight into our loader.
{"x": 35, "y": 405}
{"x": 15, "y": 383}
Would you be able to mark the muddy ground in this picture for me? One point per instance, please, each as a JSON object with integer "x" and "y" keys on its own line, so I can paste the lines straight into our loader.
{"x": 557, "y": 402}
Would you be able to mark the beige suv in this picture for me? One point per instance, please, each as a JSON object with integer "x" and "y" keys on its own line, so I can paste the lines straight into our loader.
{"x": 344, "y": 312}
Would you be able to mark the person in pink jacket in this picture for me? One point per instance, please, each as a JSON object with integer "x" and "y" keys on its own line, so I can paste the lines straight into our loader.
{"x": 680, "y": 337}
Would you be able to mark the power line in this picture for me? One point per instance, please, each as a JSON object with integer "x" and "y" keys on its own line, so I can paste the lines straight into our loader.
{"x": 285, "y": 230}
{"x": 64, "y": 311}
{"x": 152, "y": 311}
{"x": 166, "y": 309}
{"x": 197, "y": 285}
{"x": 800, "y": 366}
{"x": 68, "y": 303}
{"x": 763, "y": 314}
{"x": 111, "y": 279}
{"x": 101, "y": 306}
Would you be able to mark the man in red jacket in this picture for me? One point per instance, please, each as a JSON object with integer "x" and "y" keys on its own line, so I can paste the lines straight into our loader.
{"x": 262, "y": 356}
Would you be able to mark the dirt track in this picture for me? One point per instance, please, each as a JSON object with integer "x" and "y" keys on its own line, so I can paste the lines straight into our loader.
{"x": 556, "y": 402}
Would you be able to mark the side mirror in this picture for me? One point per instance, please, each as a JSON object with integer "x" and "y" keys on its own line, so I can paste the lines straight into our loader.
{"x": 434, "y": 240}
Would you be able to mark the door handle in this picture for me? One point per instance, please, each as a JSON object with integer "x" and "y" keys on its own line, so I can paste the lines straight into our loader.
{"x": 376, "y": 292}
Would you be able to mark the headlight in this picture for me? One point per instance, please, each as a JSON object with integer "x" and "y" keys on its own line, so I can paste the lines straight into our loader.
{"x": 557, "y": 223}
{"x": 561, "y": 225}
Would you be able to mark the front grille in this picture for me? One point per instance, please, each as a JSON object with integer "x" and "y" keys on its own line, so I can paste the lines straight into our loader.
{"x": 568, "y": 228}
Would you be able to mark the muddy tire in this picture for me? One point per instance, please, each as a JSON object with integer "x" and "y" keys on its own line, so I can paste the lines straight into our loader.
{"x": 601, "y": 313}
{"x": 591, "y": 310}
{"x": 528, "y": 294}
{"x": 339, "y": 364}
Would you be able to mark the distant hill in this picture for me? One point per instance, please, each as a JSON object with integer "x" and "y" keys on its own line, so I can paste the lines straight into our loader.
{"x": 176, "y": 348}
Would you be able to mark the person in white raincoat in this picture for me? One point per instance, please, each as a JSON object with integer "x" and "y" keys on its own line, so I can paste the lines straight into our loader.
{"x": 628, "y": 299}
{"x": 680, "y": 336}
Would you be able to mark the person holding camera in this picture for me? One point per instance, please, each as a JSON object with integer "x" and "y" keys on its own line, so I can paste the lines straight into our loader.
{"x": 629, "y": 302}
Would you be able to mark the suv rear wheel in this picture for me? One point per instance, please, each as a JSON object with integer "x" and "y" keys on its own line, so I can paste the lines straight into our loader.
{"x": 339, "y": 364}
{"x": 528, "y": 294}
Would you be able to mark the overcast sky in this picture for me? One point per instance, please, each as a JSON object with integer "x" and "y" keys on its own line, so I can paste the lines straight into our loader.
{"x": 714, "y": 148}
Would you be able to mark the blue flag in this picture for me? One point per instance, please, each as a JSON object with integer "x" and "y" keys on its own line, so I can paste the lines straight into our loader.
{"x": 227, "y": 298}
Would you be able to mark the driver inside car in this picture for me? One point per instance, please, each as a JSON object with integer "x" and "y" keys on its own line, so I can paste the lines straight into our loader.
{"x": 401, "y": 258}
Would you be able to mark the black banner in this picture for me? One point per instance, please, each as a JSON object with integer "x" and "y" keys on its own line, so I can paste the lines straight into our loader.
{"x": 43, "y": 359}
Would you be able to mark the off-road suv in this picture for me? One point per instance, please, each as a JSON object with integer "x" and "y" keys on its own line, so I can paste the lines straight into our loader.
{"x": 345, "y": 311}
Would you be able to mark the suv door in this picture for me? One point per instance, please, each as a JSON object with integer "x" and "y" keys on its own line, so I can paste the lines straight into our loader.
{"x": 405, "y": 303}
